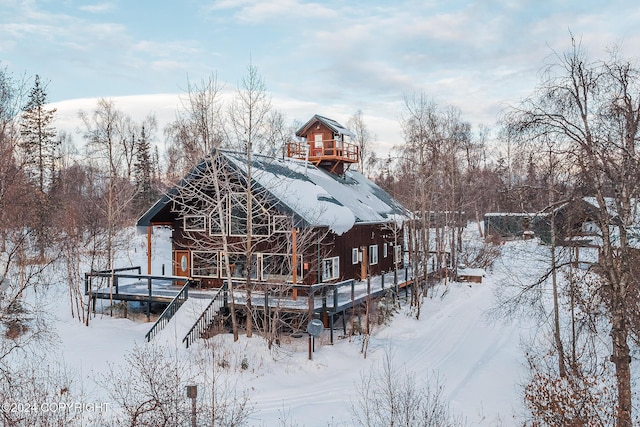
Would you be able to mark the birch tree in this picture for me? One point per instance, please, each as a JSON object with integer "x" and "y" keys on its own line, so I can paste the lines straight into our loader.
{"x": 436, "y": 140}
{"x": 248, "y": 115}
{"x": 204, "y": 197}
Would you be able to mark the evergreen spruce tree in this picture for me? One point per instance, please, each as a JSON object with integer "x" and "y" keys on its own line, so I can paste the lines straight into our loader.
{"x": 39, "y": 145}
{"x": 40, "y": 152}
{"x": 143, "y": 172}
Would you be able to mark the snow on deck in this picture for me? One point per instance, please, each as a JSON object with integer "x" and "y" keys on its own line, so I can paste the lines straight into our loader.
{"x": 337, "y": 298}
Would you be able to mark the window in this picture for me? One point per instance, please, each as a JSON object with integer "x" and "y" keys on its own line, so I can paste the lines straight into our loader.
{"x": 281, "y": 224}
{"x": 384, "y": 250}
{"x": 238, "y": 214}
{"x": 279, "y": 267}
{"x": 260, "y": 224}
{"x": 204, "y": 264}
{"x": 238, "y": 265}
{"x": 330, "y": 268}
{"x": 195, "y": 223}
{"x": 354, "y": 255}
{"x": 373, "y": 254}
{"x": 398, "y": 254}
{"x": 215, "y": 222}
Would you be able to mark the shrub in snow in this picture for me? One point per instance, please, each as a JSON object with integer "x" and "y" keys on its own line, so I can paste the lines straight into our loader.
{"x": 390, "y": 397}
{"x": 150, "y": 390}
{"x": 580, "y": 398}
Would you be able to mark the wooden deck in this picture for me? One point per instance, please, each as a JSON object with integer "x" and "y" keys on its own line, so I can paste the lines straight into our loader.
{"x": 321, "y": 297}
{"x": 326, "y": 300}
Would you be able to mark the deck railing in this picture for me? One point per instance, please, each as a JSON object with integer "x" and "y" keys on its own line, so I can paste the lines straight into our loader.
{"x": 113, "y": 274}
{"x": 206, "y": 318}
{"x": 168, "y": 312}
{"x": 330, "y": 149}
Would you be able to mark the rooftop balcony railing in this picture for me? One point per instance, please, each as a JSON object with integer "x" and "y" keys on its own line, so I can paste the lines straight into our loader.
{"x": 329, "y": 150}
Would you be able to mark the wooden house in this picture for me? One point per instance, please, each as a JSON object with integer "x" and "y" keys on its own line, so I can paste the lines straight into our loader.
{"x": 309, "y": 218}
{"x": 574, "y": 224}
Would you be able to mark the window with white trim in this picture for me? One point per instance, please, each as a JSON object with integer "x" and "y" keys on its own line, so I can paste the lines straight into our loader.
{"x": 260, "y": 223}
{"x": 355, "y": 255}
{"x": 330, "y": 269}
{"x": 384, "y": 250}
{"x": 279, "y": 267}
{"x": 215, "y": 222}
{"x": 398, "y": 254}
{"x": 373, "y": 254}
{"x": 194, "y": 223}
{"x": 237, "y": 214}
{"x": 280, "y": 224}
{"x": 238, "y": 265}
{"x": 204, "y": 264}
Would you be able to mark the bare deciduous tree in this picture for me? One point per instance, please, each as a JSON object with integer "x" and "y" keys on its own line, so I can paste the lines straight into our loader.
{"x": 364, "y": 139}
{"x": 248, "y": 115}
{"x": 592, "y": 110}
{"x": 198, "y": 128}
{"x": 436, "y": 141}
{"x": 150, "y": 390}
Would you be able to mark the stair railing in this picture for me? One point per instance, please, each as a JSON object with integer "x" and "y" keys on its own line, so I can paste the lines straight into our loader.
{"x": 206, "y": 318}
{"x": 168, "y": 312}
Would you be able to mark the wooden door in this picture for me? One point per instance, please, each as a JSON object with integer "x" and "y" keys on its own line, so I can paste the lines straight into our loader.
{"x": 182, "y": 263}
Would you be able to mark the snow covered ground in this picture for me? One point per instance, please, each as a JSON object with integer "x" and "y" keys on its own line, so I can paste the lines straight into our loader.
{"x": 478, "y": 360}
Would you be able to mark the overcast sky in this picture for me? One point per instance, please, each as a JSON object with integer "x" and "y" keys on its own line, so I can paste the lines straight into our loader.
{"x": 325, "y": 57}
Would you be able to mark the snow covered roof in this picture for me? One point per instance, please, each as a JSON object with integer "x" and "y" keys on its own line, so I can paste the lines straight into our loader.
{"x": 315, "y": 196}
{"x": 612, "y": 209}
{"x": 633, "y": 230}
{"x": 330, "y": 123}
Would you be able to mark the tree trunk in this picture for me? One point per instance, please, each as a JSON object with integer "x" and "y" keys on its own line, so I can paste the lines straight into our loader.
{"x": 622, "y": 361}
{"x": 562, "y": 370}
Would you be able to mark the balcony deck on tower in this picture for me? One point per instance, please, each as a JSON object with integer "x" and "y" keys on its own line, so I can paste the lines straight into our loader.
{"x": 326, "y": 150}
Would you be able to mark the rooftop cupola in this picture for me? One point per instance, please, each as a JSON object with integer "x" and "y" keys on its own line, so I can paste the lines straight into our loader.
{"x": 326, "y": 143}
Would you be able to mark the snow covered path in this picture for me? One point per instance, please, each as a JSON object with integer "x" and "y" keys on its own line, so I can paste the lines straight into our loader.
{"x": 478, "y": 362}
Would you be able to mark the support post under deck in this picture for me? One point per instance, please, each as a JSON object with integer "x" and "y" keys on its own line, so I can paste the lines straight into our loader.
{"x": 149, "y": 249}
{"x": 149, "y": 300}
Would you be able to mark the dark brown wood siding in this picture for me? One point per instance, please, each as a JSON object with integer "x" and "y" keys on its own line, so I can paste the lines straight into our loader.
{"x": 362, "y": 236}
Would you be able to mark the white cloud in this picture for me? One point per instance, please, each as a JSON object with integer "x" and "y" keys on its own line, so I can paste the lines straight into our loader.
{"x": 98, "y": 7}
{"x": 261, "y": 11}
